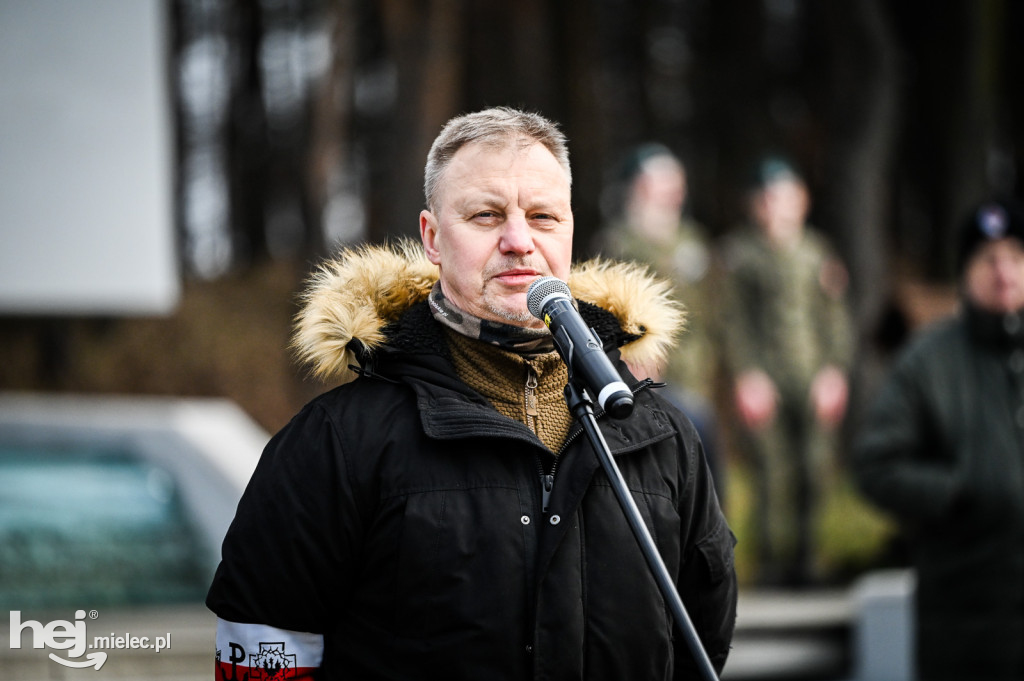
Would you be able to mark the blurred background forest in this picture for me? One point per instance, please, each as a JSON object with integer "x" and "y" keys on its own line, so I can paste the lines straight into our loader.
{"x": 303, "y": 125}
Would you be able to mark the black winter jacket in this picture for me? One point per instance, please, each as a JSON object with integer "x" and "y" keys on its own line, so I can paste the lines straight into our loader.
{"x": 943, "y": 449}
{"x": 400, "y": 517}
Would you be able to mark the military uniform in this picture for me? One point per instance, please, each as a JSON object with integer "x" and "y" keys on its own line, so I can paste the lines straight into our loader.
{"x": 686, "y": 262}
{"x": 690, "y": 373}
{"x": 783, "y": 312}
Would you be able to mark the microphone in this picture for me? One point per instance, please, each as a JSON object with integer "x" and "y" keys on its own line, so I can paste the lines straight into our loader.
{"x": 550, "y": 300}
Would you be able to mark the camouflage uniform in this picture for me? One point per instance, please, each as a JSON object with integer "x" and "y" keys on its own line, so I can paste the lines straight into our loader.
{"x": 686, "y": 262}
{"x": 690, "y": 374}
{"x": 783, "y": 312}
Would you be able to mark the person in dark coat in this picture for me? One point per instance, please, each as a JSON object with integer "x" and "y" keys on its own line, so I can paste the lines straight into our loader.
{"x": 438, "y": 515}
{"x": 942, "y": 449}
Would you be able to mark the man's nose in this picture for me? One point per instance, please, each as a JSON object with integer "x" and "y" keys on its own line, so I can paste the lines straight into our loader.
{"x": 516, "y": 236}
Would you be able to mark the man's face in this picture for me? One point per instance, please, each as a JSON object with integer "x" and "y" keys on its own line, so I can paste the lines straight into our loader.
{"x": 994, "y": 278}
{"x": 661, "y": 184}
{"x": 780, "y": 209}
{"x": 503, "y": 218}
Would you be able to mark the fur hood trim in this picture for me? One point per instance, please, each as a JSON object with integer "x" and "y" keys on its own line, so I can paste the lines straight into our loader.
{"x": 365, "y": 288}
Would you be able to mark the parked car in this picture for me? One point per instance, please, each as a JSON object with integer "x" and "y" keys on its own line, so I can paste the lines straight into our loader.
{"x": 112, "y": 510}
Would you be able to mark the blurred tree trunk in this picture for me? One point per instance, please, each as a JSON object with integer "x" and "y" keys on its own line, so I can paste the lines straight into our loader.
{"x": 949, "y": 130}
{"x": 1011, "y": 179}
{"x": 579, "y": 113}
{"x": 334, "y": 183}
{"x": 510, "y": 54}
{"x": 423, "y": 41}
{"x": 246, "y": 136}
{"x": 969, "y": 137}
{"x": 864, "y": 89}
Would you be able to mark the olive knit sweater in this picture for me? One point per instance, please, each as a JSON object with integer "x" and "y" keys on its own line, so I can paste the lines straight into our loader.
{"x": 528, "y": 388}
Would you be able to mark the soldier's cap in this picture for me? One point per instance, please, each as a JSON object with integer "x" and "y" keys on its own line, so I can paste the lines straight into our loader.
{"x": 988, "y": 221}
{"x": 634, "y": 160}
{"x": 770, "y": 169}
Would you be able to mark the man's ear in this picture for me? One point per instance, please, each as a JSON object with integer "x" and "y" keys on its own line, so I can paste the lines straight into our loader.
{"x": 428, "y": 235}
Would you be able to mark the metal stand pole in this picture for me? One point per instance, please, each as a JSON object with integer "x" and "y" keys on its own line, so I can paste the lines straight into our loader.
{"x": 582, "y": 408}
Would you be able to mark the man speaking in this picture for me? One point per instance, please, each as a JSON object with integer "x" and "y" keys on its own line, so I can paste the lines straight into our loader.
{"x": 438, "y": 515}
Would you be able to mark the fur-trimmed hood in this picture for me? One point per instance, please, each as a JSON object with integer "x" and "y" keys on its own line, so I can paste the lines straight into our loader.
{"x": 356, "y": 295}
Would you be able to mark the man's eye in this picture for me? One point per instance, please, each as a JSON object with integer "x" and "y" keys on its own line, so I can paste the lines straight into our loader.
{"x": 543, "y": 219}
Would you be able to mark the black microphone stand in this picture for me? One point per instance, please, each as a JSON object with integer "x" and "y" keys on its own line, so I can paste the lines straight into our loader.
{"x": 582, "y": 408}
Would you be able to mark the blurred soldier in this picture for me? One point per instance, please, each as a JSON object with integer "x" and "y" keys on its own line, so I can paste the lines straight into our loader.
{"x": 787, "y": 343}
{"x": 942, "y": 448}
{"x": 648, "y": 225}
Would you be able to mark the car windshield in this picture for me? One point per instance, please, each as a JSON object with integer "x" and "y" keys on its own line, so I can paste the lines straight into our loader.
{"x": 82, "y": 526}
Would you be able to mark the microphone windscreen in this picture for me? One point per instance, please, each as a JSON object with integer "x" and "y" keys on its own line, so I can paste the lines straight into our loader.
{"x": 540, "y": 290}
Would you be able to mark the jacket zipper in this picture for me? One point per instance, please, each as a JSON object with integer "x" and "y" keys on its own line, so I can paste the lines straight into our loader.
{"x": 530, "y": 399}
{"x": 547, "y": 477}
{"x": 547, "y": 480}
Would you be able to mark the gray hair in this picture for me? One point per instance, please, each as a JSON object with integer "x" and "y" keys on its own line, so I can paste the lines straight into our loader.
{"x": 499, "y": 127}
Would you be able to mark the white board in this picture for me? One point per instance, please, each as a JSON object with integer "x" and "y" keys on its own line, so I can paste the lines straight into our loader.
{"x": 86, "y": 175}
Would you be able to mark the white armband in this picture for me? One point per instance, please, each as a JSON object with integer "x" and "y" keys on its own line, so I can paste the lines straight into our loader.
{"x": 261, "y": 651}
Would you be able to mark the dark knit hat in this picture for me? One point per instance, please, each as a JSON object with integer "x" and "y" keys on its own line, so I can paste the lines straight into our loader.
{"x": 988, "y": 221}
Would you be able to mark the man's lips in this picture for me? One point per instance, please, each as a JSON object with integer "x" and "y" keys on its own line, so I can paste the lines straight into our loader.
{"x": 517, "y": 277}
